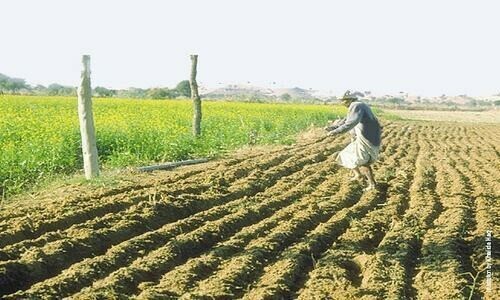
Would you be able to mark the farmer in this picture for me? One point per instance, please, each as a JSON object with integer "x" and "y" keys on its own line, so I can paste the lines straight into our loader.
{"x": 365, "y": 143}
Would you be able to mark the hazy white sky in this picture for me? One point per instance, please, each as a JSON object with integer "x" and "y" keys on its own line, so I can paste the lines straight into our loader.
{"x": 427, "y": 47}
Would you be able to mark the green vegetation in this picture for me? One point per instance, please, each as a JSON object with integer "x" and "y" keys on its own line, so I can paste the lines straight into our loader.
{"x": 39, "y": 136}
{"x": 11, "y": 84}
{"x": 18, "y": 86}
{"x": 386, "y": 115}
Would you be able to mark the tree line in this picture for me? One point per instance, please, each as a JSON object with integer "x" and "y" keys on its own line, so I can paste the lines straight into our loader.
{"x": 11, "y": 85}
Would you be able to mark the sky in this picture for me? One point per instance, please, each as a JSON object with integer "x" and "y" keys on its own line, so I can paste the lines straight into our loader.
{"x": 421, "y": 47}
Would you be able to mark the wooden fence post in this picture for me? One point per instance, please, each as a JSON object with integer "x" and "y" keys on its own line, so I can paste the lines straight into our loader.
{"x": 87, "y": 130}
{"x": 195, "y": 97}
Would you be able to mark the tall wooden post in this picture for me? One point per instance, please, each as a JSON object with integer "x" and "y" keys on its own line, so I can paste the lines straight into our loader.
{"x": 195, "y": 97}
{"x": 87, "y": 130}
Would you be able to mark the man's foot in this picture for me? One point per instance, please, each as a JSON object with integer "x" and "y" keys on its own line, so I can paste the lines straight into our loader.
{"x": 356, "y": 178}
{"x": 369, "y": 187}
{"x": 356, "y": 175}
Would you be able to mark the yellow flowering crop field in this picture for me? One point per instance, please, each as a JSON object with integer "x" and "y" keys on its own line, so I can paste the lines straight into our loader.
{"x": 39, "y": 136}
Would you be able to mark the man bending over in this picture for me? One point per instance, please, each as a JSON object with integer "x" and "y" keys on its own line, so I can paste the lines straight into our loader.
{"x": 364, "y": 148}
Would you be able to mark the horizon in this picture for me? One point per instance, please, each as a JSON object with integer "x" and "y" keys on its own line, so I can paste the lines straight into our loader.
{"x": 319, "y": 93}
{"x": 424, "y": 49}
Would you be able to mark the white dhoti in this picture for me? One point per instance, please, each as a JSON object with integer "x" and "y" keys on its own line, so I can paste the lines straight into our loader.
{"x": 358, "y": 153}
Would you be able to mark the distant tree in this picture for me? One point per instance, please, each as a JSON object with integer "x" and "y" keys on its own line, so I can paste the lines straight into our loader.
{"x": 496, "y": 102}
{"x": 472, "y": 102}
{"x": 13, "y": 85}
{"x": 39, "y": 90}
{"x": 56, "y": 89}
{"x": 331, "y": 99}
{"x": 133, "y": 93}
{"x": 157, "y": 93}
{"x": 254, "y": 98}
{"x": 286, "y": 97}
{"x": 183, "y": 88}
{"x": 16, "y": 84}
{"x": 395, "y": 101}
{"x": 104, "y": 92}
{"x": 53, "y": 89}
{"x": 161, "y": 93}
{"x": 482, "y": 103}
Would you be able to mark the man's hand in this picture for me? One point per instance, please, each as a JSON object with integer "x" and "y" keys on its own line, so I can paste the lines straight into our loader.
{"x": 332, "y": 125}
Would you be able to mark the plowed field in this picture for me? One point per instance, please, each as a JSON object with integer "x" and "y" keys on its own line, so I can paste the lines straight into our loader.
{"x": 281, "y": 224}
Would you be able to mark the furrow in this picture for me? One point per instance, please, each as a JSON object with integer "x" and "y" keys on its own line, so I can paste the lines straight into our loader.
{"x": 175, "y": 252}
{"x": 484, "y": 192}
{"x": 287, "y": 274}
{"x": 220, "y": 187}
{"x": 82, "y": 201}
{"x": 388, "y": 273}
{"x": 343, "y": 268}
{"x": 185, "y": 277}
{"x": 283, "y": 276}
{"x": 32, "y": 226}
{"x": 445, "y": 255}
{"x": 42, "y": 263}
{"x": 128, "y": 251}
{"x": 235, "y": 274}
